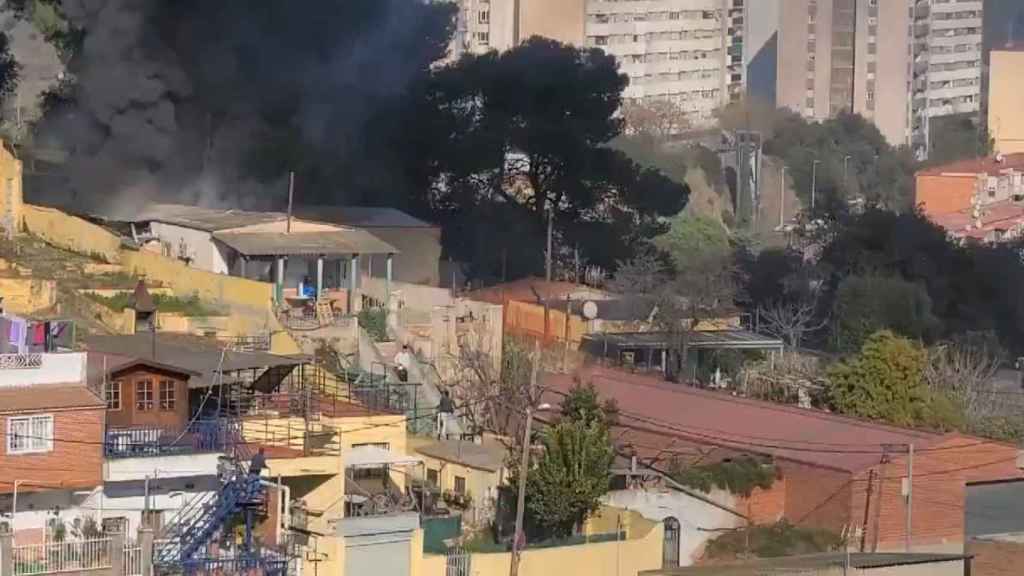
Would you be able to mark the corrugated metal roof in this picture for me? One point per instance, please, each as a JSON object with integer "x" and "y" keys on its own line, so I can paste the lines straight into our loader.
{"x": 305, "y": 243}
{"x": 190, "y": 354}
{"x": 208, "y": 219}
{"x": 360, "y": 216}
{"x": 800, "y": 564}
{"x": 47, "y": 397}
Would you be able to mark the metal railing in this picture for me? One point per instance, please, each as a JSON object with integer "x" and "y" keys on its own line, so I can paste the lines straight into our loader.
{"x": 20, "y": 361}
{"x": 133, "y": 560}
{"x": 202, "y": 436}
{"x": 53, "y": 557}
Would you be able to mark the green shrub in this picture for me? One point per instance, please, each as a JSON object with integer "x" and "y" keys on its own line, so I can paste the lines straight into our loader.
{"x": 773, "y": 541}
{"x": 375, "y": 322}
{"x": 739, "y": 476}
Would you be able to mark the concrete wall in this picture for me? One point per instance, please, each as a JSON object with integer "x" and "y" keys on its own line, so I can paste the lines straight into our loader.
{"x": 185, "y": 280}
{"x": 11, "y": 199}
{"x": 62, "y": 368}
{"x": 695, "y": 516}
{"x": 891, "y": 113}
{"x": 562, "y": 20}
{"x": 418, "y": 259}
{"x": 27, "y": 295}
{"x": 71, "y": 233}
{"x": 180, "y": 242}
{"x": 938, "y": 194}
{"x": 640, "y": 551}
{"x": 1006, "y": 87}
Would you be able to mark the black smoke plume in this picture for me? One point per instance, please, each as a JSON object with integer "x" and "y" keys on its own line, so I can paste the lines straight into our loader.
{"x": 215, "y": 101}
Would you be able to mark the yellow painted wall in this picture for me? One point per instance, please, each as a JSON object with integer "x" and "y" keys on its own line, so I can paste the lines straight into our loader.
{"x": 27, "y": 295}
{"x": 641, "y": 550}
{"x": 325, "y": 557}
{"x": 184, "y": 279}
{"x": 11, "y": 199}
{"x": 1006, "y": 86}
{"x": 71, "y": 233}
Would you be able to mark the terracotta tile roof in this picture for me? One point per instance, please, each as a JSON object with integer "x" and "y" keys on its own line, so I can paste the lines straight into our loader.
{"x": 666, "y": 416}
{"x": 1002, "y": 215}
{"x": 47, "y": 397}
{"x": 976, "y": 166}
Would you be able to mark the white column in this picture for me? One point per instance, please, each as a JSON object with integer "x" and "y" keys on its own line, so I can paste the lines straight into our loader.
{"x": 387, "y": 277}
{"x": 319, "y": 276}
{"x": 279, "y": 278}
{"x": 352, "y": 271}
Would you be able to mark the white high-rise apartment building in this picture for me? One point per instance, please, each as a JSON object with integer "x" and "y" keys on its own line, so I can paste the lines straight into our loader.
{"x": 899, "y": 63}
{"x": 689, "y": 51}
{"x": 671, "y": 49}
{"x": 947, "y": 48}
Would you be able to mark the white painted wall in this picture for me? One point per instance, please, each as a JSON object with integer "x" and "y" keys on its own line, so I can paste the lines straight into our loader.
{"x": 128, "y": 499}
{"x": 62, "y": 368}
{"x": 177, "y": 466}
{"x": 695, "y": 517}
{"x": 198, "y": 244}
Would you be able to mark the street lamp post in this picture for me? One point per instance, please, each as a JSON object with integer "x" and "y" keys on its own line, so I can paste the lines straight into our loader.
{"x": 846, "y": 162}
{"x": 782, "y": 197}
{"x": 814, "y": 183}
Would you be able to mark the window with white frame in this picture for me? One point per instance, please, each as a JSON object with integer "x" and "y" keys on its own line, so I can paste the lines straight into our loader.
{"x": 29, "y": 434}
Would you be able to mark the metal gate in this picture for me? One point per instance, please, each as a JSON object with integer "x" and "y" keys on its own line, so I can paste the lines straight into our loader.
{"x": 458, "y": 561}
{"x": 670, "y": 547}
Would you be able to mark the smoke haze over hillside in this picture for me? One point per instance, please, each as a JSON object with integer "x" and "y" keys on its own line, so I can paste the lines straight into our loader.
{"x": 213, "y": 102}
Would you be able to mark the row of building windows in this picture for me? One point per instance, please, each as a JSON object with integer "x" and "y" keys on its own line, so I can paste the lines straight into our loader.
{"x": 954, "y": 49}
{"x": 969, "y": 99}
{"x": 960, "y": 83}
{"x": 956, "y": 15}
{"x": 952, "y": 66}
{"x": 655, "y": 37}
{"x": 622, "y": 17}
{"x": 675, "y": 76}
{"x": 681, "y": 55}
{"x": 144, "y": 397}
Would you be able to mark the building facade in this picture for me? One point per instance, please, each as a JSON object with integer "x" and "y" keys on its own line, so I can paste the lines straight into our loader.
{"x": 1006, "y": 84}
{"x": 898, "y": 63}
{"x": 975, "y": 200}
{"x": 692, "y": 52}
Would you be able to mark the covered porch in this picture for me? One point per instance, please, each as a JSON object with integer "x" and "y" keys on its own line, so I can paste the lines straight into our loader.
{"x": 308, "y": 266}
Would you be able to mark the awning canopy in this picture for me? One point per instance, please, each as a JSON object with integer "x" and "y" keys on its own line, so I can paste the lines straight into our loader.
{"x": 704, "y": 339}
{"x": 375, "y": 457}
{"x": 305, "y": 243}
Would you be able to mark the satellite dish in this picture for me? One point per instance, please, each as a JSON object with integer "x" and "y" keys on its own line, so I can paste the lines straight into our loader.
{"x": 589, "y": 310}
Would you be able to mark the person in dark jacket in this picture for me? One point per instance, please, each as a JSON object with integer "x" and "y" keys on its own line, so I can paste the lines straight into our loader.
{"x": 258, "y": 464}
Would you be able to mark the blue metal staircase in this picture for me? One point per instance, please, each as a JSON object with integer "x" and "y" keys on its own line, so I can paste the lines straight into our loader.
{"x": 183, "y": 545}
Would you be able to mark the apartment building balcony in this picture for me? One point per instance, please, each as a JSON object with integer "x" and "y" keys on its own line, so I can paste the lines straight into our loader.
{"x": 941, "y": 26}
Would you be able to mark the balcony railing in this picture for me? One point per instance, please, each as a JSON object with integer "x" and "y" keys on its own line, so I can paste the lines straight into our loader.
{"x": 203, "y": 436}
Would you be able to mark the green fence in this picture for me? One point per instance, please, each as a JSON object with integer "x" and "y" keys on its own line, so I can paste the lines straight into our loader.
{"x": 437, "y": 530}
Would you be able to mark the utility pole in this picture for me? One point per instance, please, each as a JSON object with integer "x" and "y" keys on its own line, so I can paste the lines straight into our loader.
{"x": 782, "y": 197}
{"x": 551, "y": 217}
{"x": 846, "y": 165}
{"x": 291, "y": 196}
{"x": 910, "y": 491}
{"x": 524, "y": 465}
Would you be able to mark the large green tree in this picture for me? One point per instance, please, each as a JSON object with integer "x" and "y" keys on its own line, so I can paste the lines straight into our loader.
{"x": 867, "y": 304}
{"x": 507, "y": 140}
{"x": 566, "y": 484}
{"x": 886, "y": 382}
